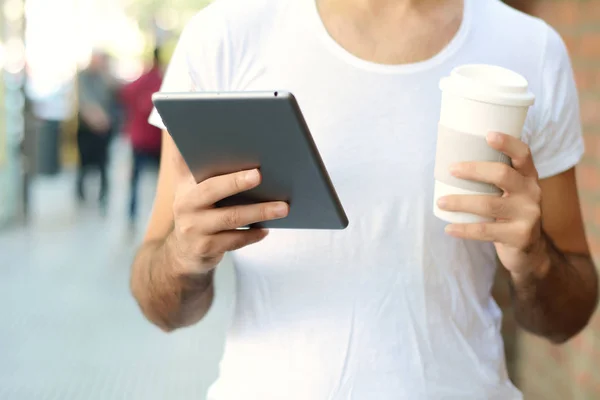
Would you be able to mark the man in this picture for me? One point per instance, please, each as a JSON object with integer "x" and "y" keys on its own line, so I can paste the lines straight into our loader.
{"x": 397, "y": 306}
{"x": 96, "y": 100}
{"x": 145, "y": 138}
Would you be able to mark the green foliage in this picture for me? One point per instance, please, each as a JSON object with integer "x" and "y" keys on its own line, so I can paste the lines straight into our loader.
{"x": 173, "y": 13}
{"x": 146, "y": 12}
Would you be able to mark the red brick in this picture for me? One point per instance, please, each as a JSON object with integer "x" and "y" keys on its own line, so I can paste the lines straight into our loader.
{"x": 590, "y": 111}
{"x": 584, "y": 378}
{"x": 589, "y": 46}
{"x": 584, "y": 77}
{"x": 577, "y": 343}
{"x": 587, "y": 210}
{"x": 595, "y": 323}
{"x": 589, "y": 12}
{"x": 592, "y": 146}
{"x": 557, "y": 354}
{"x": 587, "y": 78}
{"x": 572, "y": 42}
{"x": 596, "y": 216}
{"x": 587, "y": 343}
{"x": 595, "y": 356}
{"x": 557, "y": 13}
{"x": 589, "y": 178}
{"x": 594, "y": 243}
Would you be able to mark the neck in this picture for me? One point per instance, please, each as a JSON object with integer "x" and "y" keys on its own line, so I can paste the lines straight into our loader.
{"x": 392, "y": 31}
{"x": 377, "y": 6}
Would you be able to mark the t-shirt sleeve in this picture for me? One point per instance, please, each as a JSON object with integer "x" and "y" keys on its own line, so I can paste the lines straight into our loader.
{"x": 177, "y": 77}
{"x": 203, "y": 58}
{"x": 556, "y": 141}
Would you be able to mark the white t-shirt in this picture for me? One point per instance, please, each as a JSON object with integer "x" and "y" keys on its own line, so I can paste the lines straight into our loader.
{"x": 392, "y": 307}
{"x": 52, "y": 103}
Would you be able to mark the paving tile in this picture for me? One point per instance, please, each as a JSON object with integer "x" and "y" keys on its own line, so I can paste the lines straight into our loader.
{"x": 69, "y": 329}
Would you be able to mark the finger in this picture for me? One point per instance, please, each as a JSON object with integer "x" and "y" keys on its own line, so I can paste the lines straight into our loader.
{"x": 206, "y": 194}
{"x": 519, "y": 152}
{"x": 230, "y": 218}
{"x": 215, "y": 189}
{"x": 235, "y": 240}
{"x": 485, "y": 206}
{"x": 518, "y": 234}
{"x": 222, "y": 242}
{"x": 498, "y": 174}
{"x": 485, "y": 232}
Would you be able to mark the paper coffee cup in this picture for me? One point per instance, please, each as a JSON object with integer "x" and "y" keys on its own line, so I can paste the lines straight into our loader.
{"x": 476, "y": 100}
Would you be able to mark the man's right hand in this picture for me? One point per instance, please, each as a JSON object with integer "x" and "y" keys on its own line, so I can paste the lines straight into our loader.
{"x": 202, "y": 233}
{"x": 96, "y": 118}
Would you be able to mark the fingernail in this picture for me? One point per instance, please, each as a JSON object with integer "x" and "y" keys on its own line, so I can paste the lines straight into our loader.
{"x": 454, "y": 169}
{"x": 494, "y": 137}
{"x": 252, "y": 177}
{"x": 281, "y": 210}
{"x": 450, "y": 229}
{"x": 442, "y": 203}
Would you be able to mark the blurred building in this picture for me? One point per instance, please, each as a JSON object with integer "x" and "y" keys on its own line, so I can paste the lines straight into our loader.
{"x": 42, "y": 46}
{"x": 570, "y": 372}
{"x": 12, "y": 109}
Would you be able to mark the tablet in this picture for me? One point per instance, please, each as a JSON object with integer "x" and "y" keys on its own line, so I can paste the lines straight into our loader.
{"x": 221, "y": 133}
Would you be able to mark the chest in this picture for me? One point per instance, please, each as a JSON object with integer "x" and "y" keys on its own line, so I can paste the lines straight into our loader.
{"x": 376, "y": 131}
{"x": 397, "y": 36}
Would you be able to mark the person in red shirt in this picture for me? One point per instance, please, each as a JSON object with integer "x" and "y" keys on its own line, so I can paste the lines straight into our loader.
{"x": 145, "y": 139}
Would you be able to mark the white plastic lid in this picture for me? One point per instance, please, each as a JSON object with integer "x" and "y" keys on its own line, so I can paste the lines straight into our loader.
{"x": 489, "y": 84}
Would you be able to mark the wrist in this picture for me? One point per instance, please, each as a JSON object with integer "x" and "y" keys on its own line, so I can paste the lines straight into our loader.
{"x": 181, "y": 266}
{"x": 538, "y": 264}
{"x": 172, "y": 257}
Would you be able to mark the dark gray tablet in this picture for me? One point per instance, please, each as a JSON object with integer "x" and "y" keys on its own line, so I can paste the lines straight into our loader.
{"x": 221, "y": 133}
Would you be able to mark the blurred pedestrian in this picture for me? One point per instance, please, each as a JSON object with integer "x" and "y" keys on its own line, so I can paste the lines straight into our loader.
{"x": 95, "y": 123}
{"x": 136, "y": 99}
{"x": 52, "y": 105}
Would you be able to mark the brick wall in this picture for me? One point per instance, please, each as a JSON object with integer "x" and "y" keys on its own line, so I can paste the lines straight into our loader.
{"x": 571, "y": 372}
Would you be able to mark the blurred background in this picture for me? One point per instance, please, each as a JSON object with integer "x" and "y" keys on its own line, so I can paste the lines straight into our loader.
{"x": 76, "y": 75}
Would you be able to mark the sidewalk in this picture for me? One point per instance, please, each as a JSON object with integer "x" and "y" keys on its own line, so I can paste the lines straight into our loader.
{"x": 69, "y": 329}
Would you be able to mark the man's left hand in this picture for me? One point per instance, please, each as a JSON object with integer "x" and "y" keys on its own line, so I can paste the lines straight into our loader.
{"x": 517, "y": 232}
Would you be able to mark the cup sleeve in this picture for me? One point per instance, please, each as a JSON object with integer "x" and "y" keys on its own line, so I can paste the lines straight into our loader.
{"x": 557, "y": 142}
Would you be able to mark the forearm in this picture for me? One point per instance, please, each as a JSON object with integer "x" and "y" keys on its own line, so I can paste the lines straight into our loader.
{"x": 167, "y": 299}
{"x": 557, "y": 301}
